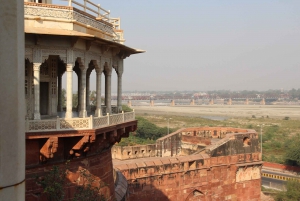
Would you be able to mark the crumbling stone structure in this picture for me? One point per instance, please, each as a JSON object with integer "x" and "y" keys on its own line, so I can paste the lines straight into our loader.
{"x": 229, "y": 169}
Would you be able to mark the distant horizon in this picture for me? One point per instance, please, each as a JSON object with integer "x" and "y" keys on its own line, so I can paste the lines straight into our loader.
{"x": 194, "y": 91}
{"x": 208, "y": 45}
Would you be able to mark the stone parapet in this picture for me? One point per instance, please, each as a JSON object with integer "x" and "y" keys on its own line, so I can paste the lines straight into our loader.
{"x": 198, "y": 176}
{"x": 66, "y": 18}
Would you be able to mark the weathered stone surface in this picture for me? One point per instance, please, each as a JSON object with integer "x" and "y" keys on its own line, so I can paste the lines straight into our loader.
{"x": 222, "y": 171}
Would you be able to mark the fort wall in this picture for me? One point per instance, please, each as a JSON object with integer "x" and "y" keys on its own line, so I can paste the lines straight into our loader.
{"x": 281, "y": 167}
{"x": 76, "y": 152}
{"x": 229, "y": 169}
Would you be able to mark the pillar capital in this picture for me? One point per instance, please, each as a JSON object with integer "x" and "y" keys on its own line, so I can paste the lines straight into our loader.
{"x": 107, "y": 70}
{"x": 99, "y": 70}
{"x": 82, "y": 68}
{"x": 36, "y": 66}
{"x": 69, "y": 67}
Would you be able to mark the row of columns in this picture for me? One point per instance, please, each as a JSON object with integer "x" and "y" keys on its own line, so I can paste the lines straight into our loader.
{"x": 83, "y": 92}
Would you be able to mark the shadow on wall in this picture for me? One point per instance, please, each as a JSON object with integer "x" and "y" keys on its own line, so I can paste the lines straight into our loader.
{"x": 69, "y": 179}
{"x": 139, "y": 191}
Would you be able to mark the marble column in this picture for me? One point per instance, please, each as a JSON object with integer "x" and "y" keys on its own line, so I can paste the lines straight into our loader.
{"x": 12, "y": 104}
{"x": 69, "y": 70}
{"x": 108, "y": 90}
{"x": 119, "y": 100}
{"x": 36, "y": 83}
{"x": 59, "y": 93}
{"x": 78, "y": 92}
{"x": 83, "y": 112}
{"x": 88, "y": 106}
{"x": 98, "y": 112}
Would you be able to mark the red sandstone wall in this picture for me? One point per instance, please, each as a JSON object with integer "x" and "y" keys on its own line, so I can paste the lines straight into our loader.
{"x": 281, "y": 167}
{"x": 99, "y": 165}
{"x": 225, "y": 129}
{"x": 196, "y": 177}
{"x": 195, "y": 140}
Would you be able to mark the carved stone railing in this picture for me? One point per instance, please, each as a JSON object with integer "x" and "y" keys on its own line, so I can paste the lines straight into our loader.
{"x": 69, "y": 14}
{"x": 62, "y": 124}
{"x": 114, "y": 109}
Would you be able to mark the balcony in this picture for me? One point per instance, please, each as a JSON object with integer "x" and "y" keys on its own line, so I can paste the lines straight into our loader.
{"x": 69, "y": 124}
{"x": 85, "y": 19}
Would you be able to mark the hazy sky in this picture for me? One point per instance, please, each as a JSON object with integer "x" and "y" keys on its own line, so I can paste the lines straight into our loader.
{"x": 209, "y": 45}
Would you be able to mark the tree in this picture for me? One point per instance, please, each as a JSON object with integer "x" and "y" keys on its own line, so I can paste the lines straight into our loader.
{"x": 148, "y": 130}
{"x": 75, "y": 100}
{"x": 93, "y": 98}
{"x": 292, "y": 192}
{"x": 55, "y": 181}
{"x": 125, "y": 108}
{"x": 292, "y": 156}
{"x": 63, "y": 98}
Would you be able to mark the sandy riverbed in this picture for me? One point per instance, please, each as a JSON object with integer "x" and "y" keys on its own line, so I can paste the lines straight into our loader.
{"x": 273, "y": 111}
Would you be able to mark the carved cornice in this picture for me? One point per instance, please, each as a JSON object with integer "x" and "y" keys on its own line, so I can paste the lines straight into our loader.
{"x": 47, "y": 5}
{"x": 48, "y": 12}
{"x": 92, "y": 56}
{"x": 62, "y": 53}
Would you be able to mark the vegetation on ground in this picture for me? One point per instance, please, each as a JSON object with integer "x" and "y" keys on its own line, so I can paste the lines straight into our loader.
{"x": 146, "y": 133}
{"x": 292, "y": 192}
{"x": 281, "y": 137}
{"x": 55, "y": 181}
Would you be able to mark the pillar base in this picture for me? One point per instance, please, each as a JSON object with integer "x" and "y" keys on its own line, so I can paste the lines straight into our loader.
{"x": 108, "y": 110}
{"x": 119, "y": 108}
{"x": 69, "y": 114}
{"x": 37, "y": 116}
{"x": 82, "y": 114}
{"x": 98, "y": 112}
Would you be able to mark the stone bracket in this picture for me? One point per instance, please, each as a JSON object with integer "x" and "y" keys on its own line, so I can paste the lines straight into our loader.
{"x": 83, "y": 145}
{"x": 48, "y": 149}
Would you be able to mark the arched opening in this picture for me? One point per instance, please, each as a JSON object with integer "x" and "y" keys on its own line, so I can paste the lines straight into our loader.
{"x": 195, "y": 195}
{"x": 246, "y": 141}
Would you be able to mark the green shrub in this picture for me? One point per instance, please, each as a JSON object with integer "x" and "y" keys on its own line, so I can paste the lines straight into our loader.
{"x": 292, "y": 192}
{"x": 55, "y": 181}
{"x": 126, "y": 108}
